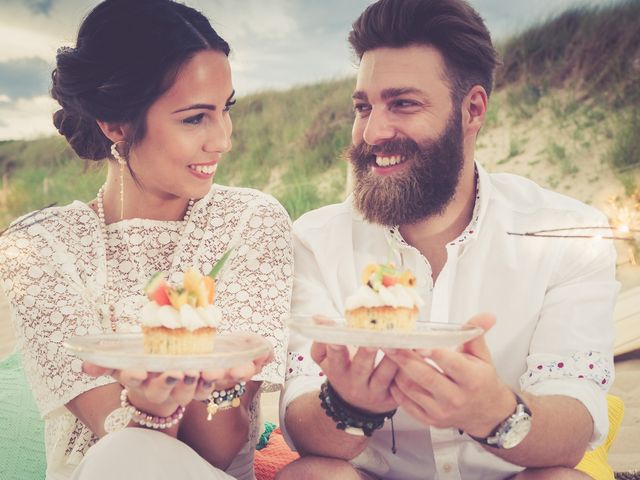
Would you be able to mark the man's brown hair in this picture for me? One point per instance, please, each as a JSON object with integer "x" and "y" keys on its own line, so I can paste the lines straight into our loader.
{"x": 451, "y": 26}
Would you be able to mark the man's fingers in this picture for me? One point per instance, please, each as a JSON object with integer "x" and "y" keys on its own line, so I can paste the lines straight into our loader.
{"x": 425, "y": 399}
{"x": 383, "y": 374}
{"x": 410, "y": 406}
{"x": 362, "y": 366}
{"x": 478, "y": 346}
{"x": 336, "y": 363}
{"x": 318, "y": 352}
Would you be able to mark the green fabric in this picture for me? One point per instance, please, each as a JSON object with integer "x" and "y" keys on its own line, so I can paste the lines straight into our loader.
{"x": 22, "y": 455}
{"x": 264, "y": 438}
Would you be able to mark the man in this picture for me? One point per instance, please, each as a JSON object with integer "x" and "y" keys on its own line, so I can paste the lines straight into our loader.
{"x": 526, "y": 399}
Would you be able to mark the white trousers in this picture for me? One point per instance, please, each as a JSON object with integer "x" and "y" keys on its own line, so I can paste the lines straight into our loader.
{"x": 141, "y": 454}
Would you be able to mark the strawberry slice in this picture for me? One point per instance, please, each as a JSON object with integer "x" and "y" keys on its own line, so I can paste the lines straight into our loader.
{"x": 157, "y": 289}
{"x": 161, "y": 295}
{"x": 389, "y": 281}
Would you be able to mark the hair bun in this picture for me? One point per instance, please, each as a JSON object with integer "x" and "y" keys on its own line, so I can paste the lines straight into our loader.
{"x": 83, "y": 135}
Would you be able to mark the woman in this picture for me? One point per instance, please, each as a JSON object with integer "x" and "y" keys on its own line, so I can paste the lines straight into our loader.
{"x": 147, "y": 86}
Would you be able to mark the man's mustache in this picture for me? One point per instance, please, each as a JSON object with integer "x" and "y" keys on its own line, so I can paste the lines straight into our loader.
{"x": 391, "y": 147}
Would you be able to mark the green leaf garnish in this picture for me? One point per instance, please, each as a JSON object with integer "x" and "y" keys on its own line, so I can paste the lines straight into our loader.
{"x": 220, "y": 263}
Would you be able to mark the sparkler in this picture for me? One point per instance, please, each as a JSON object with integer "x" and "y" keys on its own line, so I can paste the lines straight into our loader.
{"x": 624, "y": 220}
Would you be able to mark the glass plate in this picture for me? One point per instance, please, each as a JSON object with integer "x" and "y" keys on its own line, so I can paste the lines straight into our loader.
{"x": 426, "y": 335}
{"x": 125, "y": 350}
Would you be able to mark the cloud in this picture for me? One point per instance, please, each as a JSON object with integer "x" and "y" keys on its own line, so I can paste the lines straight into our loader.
{"x": 23, "y": 41}
{"x": 509, "y": 18}
{"x": 42, "y": 7}
{"x": 27, "y": 118}
{"x": 24, "y": 78}
{"x": 39, "y": 6}
{"x": 275, "y": 44}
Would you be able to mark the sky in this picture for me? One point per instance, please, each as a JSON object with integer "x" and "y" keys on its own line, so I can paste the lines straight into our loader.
{"x": 276, "y": 44}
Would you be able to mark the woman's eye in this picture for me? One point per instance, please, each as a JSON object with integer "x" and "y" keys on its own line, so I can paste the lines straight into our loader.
{"x": 229, "y": 104}
{"x": 194, "y": 120}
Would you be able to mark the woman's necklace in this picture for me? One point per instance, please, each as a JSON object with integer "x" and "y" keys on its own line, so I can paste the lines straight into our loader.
{"x": 103, "y": 226}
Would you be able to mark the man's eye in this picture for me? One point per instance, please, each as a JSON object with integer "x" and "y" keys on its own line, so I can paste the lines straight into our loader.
{"x": 361, "y": 107}
{"x": 403, "y": 103}
{"x": 194, "y": 120}
{"x": 229, "y": 104}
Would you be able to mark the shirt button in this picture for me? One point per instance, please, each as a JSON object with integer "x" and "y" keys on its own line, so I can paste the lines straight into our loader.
{"x": 447, "y": 468}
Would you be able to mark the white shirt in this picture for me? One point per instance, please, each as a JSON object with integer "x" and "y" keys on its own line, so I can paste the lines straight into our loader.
{"x": 553, "y": 299}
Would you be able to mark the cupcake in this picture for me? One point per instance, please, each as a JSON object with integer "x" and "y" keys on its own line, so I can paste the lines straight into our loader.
{"x": 180, "y": 320}
{"x": 387, "y": 300}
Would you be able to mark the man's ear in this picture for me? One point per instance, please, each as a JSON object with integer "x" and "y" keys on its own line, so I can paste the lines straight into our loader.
{"x": 474, "y": 110}
{"x": 114, "y": 131}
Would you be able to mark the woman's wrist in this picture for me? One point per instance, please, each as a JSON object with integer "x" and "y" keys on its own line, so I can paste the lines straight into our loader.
{"x": 163, "y": 409}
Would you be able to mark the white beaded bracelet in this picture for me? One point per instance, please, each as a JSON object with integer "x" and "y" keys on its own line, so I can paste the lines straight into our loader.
{"x": 121, "y": 417}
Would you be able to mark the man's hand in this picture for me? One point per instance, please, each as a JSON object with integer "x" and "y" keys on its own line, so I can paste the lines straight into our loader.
{"x": 461, "y": 390}
{"x": 358, "y": 380}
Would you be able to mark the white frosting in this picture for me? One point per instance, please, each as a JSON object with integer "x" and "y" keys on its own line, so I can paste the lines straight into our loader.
{"x": 395, "y": 296}
{"x": 191, "y": 318}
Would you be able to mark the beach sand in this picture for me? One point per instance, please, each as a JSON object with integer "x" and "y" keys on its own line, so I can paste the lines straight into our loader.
{"x": 624, "y": 455}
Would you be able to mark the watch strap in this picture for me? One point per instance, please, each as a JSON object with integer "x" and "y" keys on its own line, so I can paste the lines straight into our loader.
{"x": 493, "y": 439}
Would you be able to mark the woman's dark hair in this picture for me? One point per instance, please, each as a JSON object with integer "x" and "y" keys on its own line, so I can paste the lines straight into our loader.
{"x": 451, "y": 26}
{"x": 127, "y": 54}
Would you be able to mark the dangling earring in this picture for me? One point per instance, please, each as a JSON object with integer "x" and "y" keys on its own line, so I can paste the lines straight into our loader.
{"x": 122, "y": 161}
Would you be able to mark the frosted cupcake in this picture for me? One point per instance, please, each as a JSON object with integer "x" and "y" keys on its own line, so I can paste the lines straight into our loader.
{"x": 180, "y": 320}
{"x": 387, "y": 300}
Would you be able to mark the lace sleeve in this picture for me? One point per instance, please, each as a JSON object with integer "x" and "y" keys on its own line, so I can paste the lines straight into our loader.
{"x": 255, "y": 287}
{"x": 50, "y": 300}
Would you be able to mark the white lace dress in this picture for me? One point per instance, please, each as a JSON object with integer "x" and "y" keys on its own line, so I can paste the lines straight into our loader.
{"x": 54, "y": 274}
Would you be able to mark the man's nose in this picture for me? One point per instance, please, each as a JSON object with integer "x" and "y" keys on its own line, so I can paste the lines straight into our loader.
{"x": 378, "y": 128}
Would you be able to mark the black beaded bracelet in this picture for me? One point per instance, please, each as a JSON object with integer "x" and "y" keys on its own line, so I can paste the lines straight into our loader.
{"x": 224, "y": 399}
{"x": 348, "y": 417}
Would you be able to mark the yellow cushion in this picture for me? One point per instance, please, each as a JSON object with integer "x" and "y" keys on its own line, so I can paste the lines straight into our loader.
{"x": 595, "y": 463}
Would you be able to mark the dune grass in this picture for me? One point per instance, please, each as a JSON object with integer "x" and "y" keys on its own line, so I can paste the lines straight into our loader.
{"x": 289, "y": 143}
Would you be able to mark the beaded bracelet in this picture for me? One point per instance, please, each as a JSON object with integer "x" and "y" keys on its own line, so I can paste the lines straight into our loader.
{"x": 224, "y": 399}
{"x": 121, "y": 417}
{"x": 151, "y": 421}
{"x": 348, "y": 418}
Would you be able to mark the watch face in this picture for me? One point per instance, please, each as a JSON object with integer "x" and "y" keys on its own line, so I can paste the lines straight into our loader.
{"x": 519, "y": 429}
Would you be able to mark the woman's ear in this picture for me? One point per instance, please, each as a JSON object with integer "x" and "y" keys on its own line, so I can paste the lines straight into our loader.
{"x": 114, "y": 131}
{"x": 474, "y": 110}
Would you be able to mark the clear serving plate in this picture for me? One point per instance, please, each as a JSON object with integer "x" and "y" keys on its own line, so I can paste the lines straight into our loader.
{"x": 125, "y": 351}
{"x": 426, "y": 335}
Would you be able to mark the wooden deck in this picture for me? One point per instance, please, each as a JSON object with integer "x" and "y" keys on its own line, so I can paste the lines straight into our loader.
{"x": 627, "y": 316}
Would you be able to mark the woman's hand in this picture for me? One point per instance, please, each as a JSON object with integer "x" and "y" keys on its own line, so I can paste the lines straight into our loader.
{"x": 226, "y": 378}
{"x": 155, "y": 393}
{"x": 161, "y": 393}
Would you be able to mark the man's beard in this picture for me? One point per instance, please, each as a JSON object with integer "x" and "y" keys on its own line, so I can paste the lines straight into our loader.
{"x": 422, "y": 190}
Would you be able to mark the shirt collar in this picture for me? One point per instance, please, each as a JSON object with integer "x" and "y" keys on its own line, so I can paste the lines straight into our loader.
{"x": 483, "y": 187}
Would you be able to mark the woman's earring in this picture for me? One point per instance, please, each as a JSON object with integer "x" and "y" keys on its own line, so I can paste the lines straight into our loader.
{"x": 122, "y": 161}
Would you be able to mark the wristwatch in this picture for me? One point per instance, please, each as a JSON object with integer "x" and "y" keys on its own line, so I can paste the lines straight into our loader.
{"x": 512, "y": 431}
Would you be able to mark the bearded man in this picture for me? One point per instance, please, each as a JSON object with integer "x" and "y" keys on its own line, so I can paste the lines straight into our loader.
{"x": 527, "y": 398}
